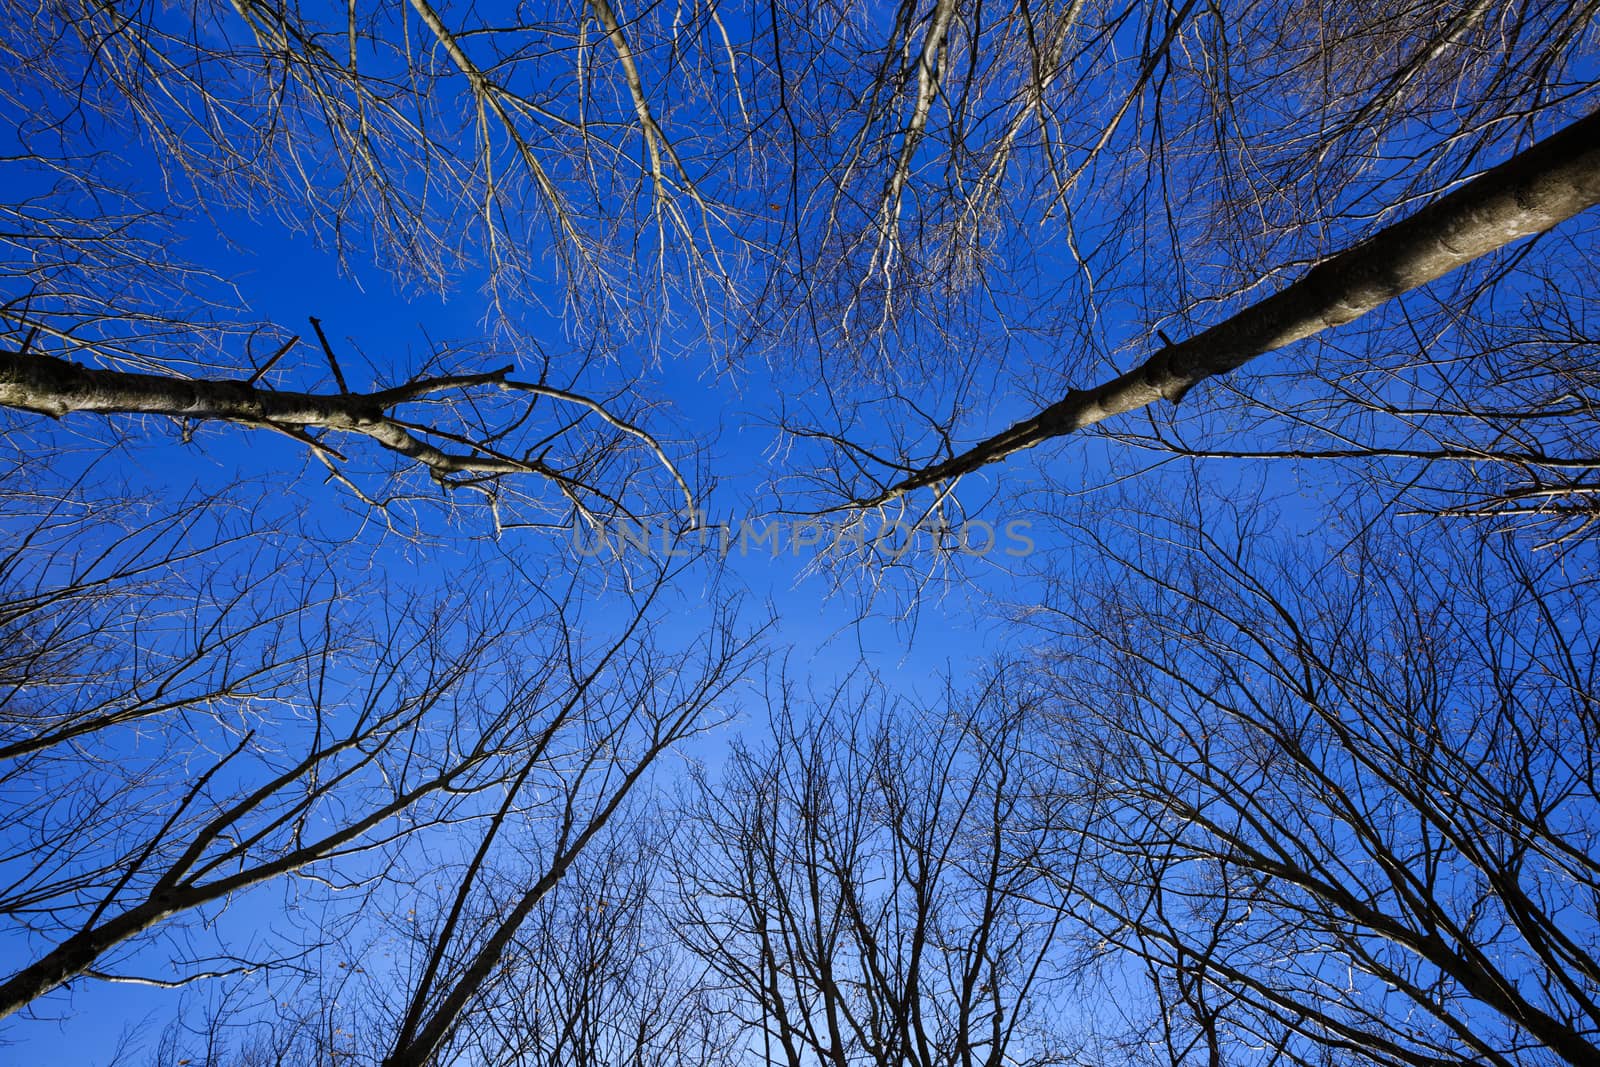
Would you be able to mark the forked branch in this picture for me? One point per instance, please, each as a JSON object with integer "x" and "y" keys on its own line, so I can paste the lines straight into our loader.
{"x": 49, "y": 385}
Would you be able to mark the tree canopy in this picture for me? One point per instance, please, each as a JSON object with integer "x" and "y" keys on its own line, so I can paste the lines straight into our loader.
{"x": 927, "y": 533}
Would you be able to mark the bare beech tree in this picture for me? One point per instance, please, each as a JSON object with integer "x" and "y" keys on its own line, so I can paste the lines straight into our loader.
{"x": 593, "y": 980}
{"x": 1537, "y": 189}
{"x": 864, "y": 891}
{"x": 437, "y": 135}
{"x": 465, "y": 448}
{"x": 75, "y": 594}
{"x": 452, "y": 149}
{"x": 1342, "y": 807}
{"x": 168, "y": 774}
{"x": 1320, "y": 806}
{"x": 650, "y": 715}
{"x": 585, "y": 982}
{"x": 331, "y": 735}
{"x": 866, "y": 187}
{"x": 1488, "y": 412}
{"x": 1151, "y": 195}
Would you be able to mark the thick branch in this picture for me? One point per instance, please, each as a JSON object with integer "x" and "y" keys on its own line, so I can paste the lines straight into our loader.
{"x": 52, "y": 386}
{"x": 1526, "y": 195}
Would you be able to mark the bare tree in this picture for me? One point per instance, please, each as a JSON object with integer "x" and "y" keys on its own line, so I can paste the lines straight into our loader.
{"x": 317, "y": 740}
{"x": 1527, "y": 195}
{"x": 1322, "y": 810}
{"x": 864, "y": 890}
{"x": 329, "y": 734}
{"x": 1486, "y": 411}
{"x": 1147, "y": 196}
{"x": 445, "y": 139}
{"x": 592, "y": 978}
{"x": 589, "y": 980}
{"x": 649, "y": 718}
{"x": 866, "y": 187}
{"x": 464, "y": 447}
{"x": 452, "y": 148}
{"x": 144, "y": 611}
{"x": 1341, "y": 805}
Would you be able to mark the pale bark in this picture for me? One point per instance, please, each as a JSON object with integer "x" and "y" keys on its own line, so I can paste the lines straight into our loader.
{"x": 1526, "y": 195}
{"x": 56, "y": 387}
{"x": 48, "y": 385}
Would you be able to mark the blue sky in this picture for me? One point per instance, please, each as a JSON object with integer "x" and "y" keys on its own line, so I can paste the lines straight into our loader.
{"x": 717, "y": 422}
{"x": 284, "y": 277}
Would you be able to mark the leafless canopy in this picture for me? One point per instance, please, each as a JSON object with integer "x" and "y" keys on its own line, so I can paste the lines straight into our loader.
{"x": 1277, "y": 320}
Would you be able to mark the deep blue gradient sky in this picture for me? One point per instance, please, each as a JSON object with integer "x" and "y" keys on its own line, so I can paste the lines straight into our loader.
{"x": 284, "y": 277}
{"x": 714, "y": 404}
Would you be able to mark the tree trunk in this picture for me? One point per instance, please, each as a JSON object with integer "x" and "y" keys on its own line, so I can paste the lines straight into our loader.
{"x": 1526, "y": 195}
